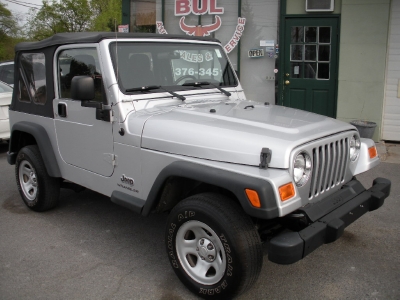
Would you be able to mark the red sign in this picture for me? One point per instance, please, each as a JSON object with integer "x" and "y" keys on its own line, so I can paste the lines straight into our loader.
{"x": 200, "y": 30}
{"x": 197, "y": 7}
{"x": 202, "y": 7}
{"x": 123, "y": 28}
{"x": 236, "y": 36}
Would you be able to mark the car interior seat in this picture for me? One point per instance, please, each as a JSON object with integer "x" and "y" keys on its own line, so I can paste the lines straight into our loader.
{"x": 140, "y": 72}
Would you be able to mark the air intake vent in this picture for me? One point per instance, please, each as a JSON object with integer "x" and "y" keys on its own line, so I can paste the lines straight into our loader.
{"x": 320, "y": 5}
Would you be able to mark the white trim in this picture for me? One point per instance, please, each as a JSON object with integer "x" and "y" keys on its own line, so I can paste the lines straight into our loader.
{"x": 390, "y": 129}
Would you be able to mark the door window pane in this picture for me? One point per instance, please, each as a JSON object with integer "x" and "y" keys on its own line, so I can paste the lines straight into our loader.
{"x": 310, "y": 70}
{"x": 311, "y": 53}
{"x": 310, "y": 47}
{"x": 296, "y": 52}
{"x": 79, "y": 62}
{"x": 297, "y": 34}
{"x": 324, "y": 52}
{"x": 324, "y": 34}
{"x": 323, "y": 71}
{"x": 310, "y": 34}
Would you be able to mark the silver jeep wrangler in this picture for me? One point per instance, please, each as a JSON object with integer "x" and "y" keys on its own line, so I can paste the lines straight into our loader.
{"x": 160, "y": 123}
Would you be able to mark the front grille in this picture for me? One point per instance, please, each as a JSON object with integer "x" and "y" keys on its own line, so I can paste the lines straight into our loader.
{"x": 329, "y": 166}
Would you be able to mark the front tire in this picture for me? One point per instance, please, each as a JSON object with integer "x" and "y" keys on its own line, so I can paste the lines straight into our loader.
{"x": 39, "y": 191}
{"x": 213, "y": 246}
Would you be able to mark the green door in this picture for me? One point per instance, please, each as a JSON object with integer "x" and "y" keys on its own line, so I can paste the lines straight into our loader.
{"x": 310, "y": 64}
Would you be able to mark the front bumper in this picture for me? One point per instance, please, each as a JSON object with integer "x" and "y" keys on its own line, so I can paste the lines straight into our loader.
{"x": 328, "y": 219}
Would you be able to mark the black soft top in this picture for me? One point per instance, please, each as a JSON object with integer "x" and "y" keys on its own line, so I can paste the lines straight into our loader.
{"x": 95, "y": 37}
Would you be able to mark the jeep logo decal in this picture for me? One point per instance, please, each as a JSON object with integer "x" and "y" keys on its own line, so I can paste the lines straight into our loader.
{"x": 127, "y": 180}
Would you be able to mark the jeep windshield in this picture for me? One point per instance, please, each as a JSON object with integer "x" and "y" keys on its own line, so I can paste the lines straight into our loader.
{"x": 169, "y": 65}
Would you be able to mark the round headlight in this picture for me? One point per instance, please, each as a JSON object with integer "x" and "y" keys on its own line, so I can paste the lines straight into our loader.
{"x": 354, "y": 149}
{"x": 302, "y": 168}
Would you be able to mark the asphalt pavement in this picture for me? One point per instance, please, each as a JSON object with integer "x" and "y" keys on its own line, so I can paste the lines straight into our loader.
{"x": 90, "y": 248}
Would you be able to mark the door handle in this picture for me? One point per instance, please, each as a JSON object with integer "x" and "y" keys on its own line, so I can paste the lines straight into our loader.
{"x": 287, "y": 82}
{"x": 62, "y": 110}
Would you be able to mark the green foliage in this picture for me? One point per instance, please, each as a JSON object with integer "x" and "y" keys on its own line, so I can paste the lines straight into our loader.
{"x": 8, "y": 24}
{"x": 109, "y": 14}
{"x": 55, "y": 17}
{"x": 8, "y": 33}
{"x": 73, "y": 16}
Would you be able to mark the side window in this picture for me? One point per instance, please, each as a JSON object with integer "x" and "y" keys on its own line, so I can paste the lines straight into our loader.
{"x": 32, "y": 83}
{"x": 78, "y": 62}
{"x": 7, "y": 73}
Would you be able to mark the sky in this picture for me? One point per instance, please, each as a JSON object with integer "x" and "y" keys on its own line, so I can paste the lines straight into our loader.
{"x": 21, "y": 7}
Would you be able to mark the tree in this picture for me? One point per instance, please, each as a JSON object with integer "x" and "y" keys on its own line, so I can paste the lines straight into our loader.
{"x": 8, "y": 33}
{"x": 73, "y": 16}
{"x": 8, "y": 24}
{"x": 109, "y": 14}
{"x": 55, "y": 17}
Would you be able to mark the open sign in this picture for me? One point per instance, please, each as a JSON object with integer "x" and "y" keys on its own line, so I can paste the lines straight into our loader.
{"x": 256, "y": 52}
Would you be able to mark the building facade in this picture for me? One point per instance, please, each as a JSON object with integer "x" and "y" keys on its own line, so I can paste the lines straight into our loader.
{"x": 339, "y": 58}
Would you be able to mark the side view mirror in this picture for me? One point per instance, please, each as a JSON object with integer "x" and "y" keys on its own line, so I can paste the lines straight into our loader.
{"x": 82, "y": 88}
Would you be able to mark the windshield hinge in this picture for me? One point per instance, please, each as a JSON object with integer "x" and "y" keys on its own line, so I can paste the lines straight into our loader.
{"x": 265, "y": 158}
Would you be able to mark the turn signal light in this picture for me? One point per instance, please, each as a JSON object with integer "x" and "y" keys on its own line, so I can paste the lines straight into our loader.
{"x": 287, "y": 191}
{"x": 372, "y": 152}
{"x": 252, "y": 195}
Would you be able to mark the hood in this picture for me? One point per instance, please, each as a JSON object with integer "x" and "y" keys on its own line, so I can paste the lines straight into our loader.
{"x": 235, "y": 132}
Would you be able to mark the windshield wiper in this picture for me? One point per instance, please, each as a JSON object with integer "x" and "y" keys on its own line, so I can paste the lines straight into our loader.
{"x": 155, "y": 87}
{"x": 201, "y": 83}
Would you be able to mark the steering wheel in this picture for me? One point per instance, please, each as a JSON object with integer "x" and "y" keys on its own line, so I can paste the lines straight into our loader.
{"x": 184, "y": 77}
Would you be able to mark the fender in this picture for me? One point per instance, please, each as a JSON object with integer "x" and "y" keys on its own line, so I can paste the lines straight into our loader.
{"x": 234, "y": 182}
{"x": 43, "y": 142}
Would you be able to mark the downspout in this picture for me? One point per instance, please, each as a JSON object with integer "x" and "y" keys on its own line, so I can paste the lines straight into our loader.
{"x": 238, "y": 53}
{"x": 163, "y": 11}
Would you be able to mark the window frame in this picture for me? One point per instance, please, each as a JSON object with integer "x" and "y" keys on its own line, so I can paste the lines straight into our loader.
{"x": 56, "y": 72}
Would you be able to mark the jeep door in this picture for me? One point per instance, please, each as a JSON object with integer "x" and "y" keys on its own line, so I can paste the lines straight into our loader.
{"x": 83, "y": 140}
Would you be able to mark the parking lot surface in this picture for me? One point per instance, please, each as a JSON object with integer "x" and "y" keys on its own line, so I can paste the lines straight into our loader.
{"x": 90, "y": 248}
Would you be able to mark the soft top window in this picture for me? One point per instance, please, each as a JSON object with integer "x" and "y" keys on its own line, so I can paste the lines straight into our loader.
{"x": 32, "y": 83}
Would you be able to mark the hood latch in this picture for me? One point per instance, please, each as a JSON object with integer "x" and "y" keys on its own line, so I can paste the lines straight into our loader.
{"x": 265, "y": 158}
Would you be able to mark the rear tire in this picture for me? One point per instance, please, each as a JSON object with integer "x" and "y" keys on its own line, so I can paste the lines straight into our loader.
{"x": 213, "y": 246}
{"x": 39, "y": 191}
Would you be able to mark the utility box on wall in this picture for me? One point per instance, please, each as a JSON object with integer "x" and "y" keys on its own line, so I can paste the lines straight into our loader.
{"x": 320, "y": 5}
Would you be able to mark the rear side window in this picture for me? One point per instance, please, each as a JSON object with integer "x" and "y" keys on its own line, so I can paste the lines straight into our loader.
{"x": 32, "y": 84}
